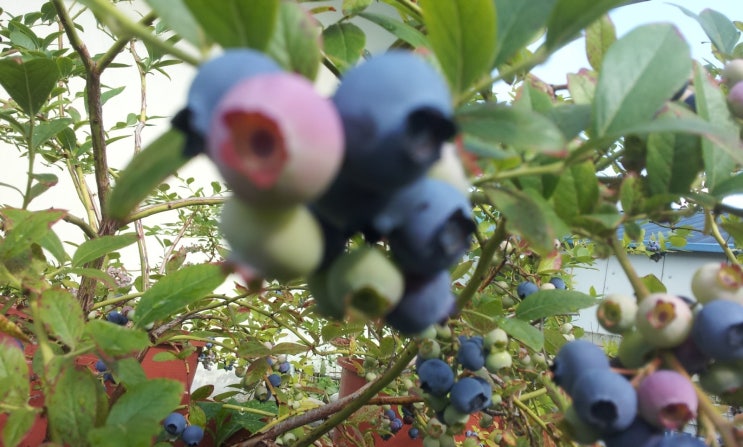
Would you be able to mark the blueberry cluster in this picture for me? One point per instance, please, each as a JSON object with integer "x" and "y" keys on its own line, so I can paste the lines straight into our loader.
{"x": 308, "y": 173}
{"x": 265, "y": 390}
{"x": 177, "y": 425}
{"x": 455, "y": 396}
{"x": 685, "y": 337}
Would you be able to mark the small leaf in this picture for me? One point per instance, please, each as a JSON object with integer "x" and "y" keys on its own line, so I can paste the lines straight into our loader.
{"x": 571, "y": 119}
{"x": 202, "y": 393}
{"x": 529, "y": 216}
{"x": 548, "y": 303}
{"x": 577, "y": 191}
{"x": 101, "y": 246}
{"x": 296, "y": 42}
{"x": 196, "y": 415}
{"x": 18, "y": 424}
{"x": 178, "y": 290}
{"x": 72, "y": 406}
{"x": 461, "y": 269}
{"x": 480, "y": 322}
{"x": 582, "y": 87}
{"x": 634, "y": 85}
{"x": 522, "y": 331}
{"x": 128, "y": 371}
{"x": 343, "y": 44}
{"x": 149, "y": 168}
{"x": 399, "y": 29}
{"x": 96, "y": 274}
{"x": 62, "y": 316}
{"x": 673, "y": 162}
{"x": 518, "y": 22}
{"x": 516, "y": 127}
{"x": 569, "y": 17}
{"x": 24, "y": 228}
{"x": 43, "y": 183}
{"x": 237, "y": 23}
{"x": 289, "y": 348}
{"x": 720, "y": 30}
{"x": 46, "y": 130}
{"x": 115, "y": 340}
{"x": 29, "y": 83}
{"x": 653, "y": 284}
{"x": 351, "y": 7}
{"x": 462, "y": 35}
{"x": 600, "y": 35}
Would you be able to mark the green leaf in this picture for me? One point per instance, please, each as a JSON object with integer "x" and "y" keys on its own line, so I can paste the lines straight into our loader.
{"x": 9, "y": 327}
{"x": 481, "y": 322}
{"x": 19, "y": 422}
{"x": 462, "y": 35}
{"x": 351, "y": 7}
{"x": 600, "y": 35}
{"x": 519, "y": 22}
{"x": 42, "y": 184}
{"x": 178, "y": 290}
{"x": 548, "y": 303}
{"x": 178, "y": 17}
{"x": 14, "y": 384}
{"x": 461, "y": 269}
{"x": 517, "y": 127}
{"x": 96, "y": 274}
{"x": 289, "y": 348}
{"x": 128, "y": 371}
{"x": 641, "y": 71}
{"x": 720, "y": 30}
{"x": 24, "y": 228}
{"x": 51, "y": 242}
{"x": 232, "y": 421}
{"x": 712, "y": 106}
{"x": 101, "y": 246}
{"x": 577, "y": 191}
{"x": 343, "y": 43}
{"x": 653, "y": 284}
{"x": 29, "y": 83}
{"x": 399, "y": 29}
{"x": 522, "y": 331}
{"x": 116, "y": 340}
{"x": 72, "y": 406}
{"x": 62, "y": 316}
{"x": 236, "y": 23}
{"x": 202, "y": 393}
{"x": 296, "y": 41}
{"x": 147, "y": 169}
{"x": 571, "y": 119}
{"x": 46, "y": 130}
{"x": 673, "y": 162}
{"x": 529, "y": 216}
{"x": 569, "y": 17}
{"x": 582, "y": 87}
{"x": 730, "y": 186}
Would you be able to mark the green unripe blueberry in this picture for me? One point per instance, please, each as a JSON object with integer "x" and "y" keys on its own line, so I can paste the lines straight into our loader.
{"x": 497, "y": 360}
{"x": 578, "y": 430}
{"x": 455, "y": 420}
{"x": 447, "y": 440}
{"x": 634, "y": 351}
{"x": 507, "y": 301}
{"x": 471, "y": 442}
{"x": 496, "y": 399}
{"x": 733, "y": 72}
{"x": 435, "y": 428}
{"x": 617, "y": 312}
{"x": 429, "y": 349}
{"x": 431, "y": 442}
{"x": 547, "y": 286}
{"x": 497, "y": 338}
{"x": 486, "y": 420}
{"x": 443, "y": 332}
{"x": 430, "y": 332}
{"x": 437, "y": 403}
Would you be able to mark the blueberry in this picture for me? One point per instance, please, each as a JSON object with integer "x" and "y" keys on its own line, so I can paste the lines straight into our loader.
{"x": 526, "y": 288}
{"x": 690, "y": 356}
{"x": 558, "y": 282}
{"x": 667, "y": 399}
{"x": 117, "y": 317}
{"x": 575, "y": 357}
{"x": 396, "y": 425}
{"x": 675, "y": 439}
{"x": 274, "y": 380}
{"x": 413, "y": 433}
{"x": 216, "y": 76}
{"x": 390, "y": 414}
{"x": 275, "y": 140}
{"x": 284, "y": 367}
{"x": 718, "y": 330}
{"x": 175, "y": 423}
{"x": 605, "y": 400}
{"x": 436, "y": 377}
{"x": 208, "y": 345}
{"x": 425, "y": 301}
{"x": 394, "y": 128}
{"x": 428, "y": 225}
{"x": 192, "y": 435}
{"x": 262, "y": 393}
{"x": 100, "y": 366}
{"x": 469, "y": 395}
{"x": 664, "y": 320}
{"x": 652, "y": 246}
{"x": 471, "y": 356}
{"x": 638, "y": 434}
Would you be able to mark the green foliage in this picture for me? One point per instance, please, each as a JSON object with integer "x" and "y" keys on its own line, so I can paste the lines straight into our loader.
{"x": 556, "y": 171}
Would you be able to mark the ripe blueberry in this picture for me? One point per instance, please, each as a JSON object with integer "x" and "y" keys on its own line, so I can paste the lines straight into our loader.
{"x": 175, "y": 423}
{"x": 526, "y": 288}
{"x": 469, "y": 395}
{"x": 576, "y": 357}
{"x": 436, "y": 377}
{"x": 605, "y": 400}
{"x": 192, "y": 435}
{"x": 718, "y": 330}
{"x": 426, "y": 300}
{"x": 471, "y": 355}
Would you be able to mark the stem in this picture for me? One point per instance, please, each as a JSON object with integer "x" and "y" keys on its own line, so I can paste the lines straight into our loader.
{"x": 365, "y": 394}
{"x": 248, "y": 410}
{"x": 709, "y": 222}
{"x": 108, "y": 57}
{"x": 126, "y": 29}
{"x": 31, "y": 157}
{"x": 641, "y": 291}
{"x": 531, "y": 395}
{"x": 552, "y": 168}
{"x": 481, "y": 270}
{"x": 180, "y": 203}
{"x": 532, "y": 415}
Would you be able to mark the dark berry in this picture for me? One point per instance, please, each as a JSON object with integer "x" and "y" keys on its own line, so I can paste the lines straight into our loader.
{"x": 436, "y": 377}
{"x": 526, "y": 288}
{"x": 192, "y": 435}
{"x": 718, "y": 330}
{"x": 576, "y": 357}
{"x": 175, "y": 423}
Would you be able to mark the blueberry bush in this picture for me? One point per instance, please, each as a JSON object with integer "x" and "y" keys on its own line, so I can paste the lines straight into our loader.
{"x": 421, "y": 223}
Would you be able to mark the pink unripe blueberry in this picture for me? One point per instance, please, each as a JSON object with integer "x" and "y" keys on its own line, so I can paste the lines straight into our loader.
{"x": 275, "y": 140}
{"x": 735, "y": 99}
{"x": 667, "y": 399}
{"x": 664, "y": 320}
